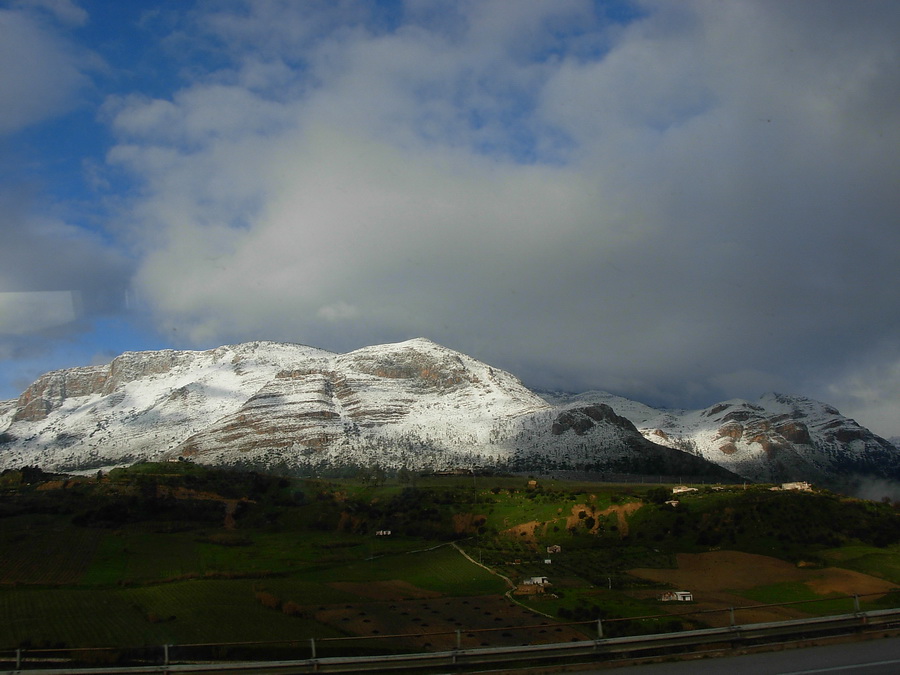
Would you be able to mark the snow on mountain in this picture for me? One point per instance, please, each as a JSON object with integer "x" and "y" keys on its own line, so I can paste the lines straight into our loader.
{"x": 414, "y": 404}
{"x": 140, "y": 406}
{"x": 267, "y": 403}
{"x": 777, "y": 438}
{"x": 636, "y": 412}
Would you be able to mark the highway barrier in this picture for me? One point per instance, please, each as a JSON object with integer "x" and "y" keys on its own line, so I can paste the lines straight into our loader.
{"x": 595, "y": 649}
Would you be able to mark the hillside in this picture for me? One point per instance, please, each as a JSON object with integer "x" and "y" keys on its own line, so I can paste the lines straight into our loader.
{"x": 148, "y": 550}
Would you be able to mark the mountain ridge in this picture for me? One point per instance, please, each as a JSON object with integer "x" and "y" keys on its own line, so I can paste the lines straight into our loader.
{"x": 413, "y": 404}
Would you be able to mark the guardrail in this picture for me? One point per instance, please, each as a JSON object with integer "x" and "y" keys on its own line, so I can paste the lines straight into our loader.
{"x": 598, "y": 648}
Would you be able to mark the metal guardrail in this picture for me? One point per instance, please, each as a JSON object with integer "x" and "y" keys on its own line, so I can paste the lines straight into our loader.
{"x": 730, "y": 635}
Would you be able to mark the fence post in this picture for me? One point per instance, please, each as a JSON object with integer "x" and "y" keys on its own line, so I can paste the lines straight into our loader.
{"x": 732, "y": 615}
{"x": 165, "y": 654}
{"x": 599, "y": 629}
{"x": 458, "y": 638}
{"x": 312, "y": 646}
{"x": 856, "y": 603}
{"x": 19, "y": 659}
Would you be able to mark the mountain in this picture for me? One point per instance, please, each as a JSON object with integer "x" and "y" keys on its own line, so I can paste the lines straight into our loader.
{"x": 775, "y": 439}
{"x": 412, "y": 404}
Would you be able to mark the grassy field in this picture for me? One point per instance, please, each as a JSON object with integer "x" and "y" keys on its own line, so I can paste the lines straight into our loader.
{"x": 162, "y": 554}
{"x": 879, "y": 562}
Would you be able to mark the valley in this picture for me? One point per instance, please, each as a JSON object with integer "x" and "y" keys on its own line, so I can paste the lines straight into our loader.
{"x": 181, "y": 554}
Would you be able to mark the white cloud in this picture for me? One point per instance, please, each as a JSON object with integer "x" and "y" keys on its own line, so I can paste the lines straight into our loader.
{"x": 870, "y": 394}
{"x": 338, "y": 311}
{"x": 685, "y": 207}
{"x": 24, "y": 313}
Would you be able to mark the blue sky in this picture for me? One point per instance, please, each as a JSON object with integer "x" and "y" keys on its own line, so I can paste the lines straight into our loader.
{"x": 681, "y": 202}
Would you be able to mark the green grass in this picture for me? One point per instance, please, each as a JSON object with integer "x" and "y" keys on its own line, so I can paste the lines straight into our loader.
{"x": 40, "y": 550}
{"x": 443, "y": 570}
{"x": 140, "y": 557}
{"x": 217, "y": 610}
{"x": 799, "y": 592}
{"x": 136, "y": 557}
{"x": 193, "y": 611}
{"x": 620, "y": 613}
{"x": 295, "y": 539}
{"x": 879, "y": 562}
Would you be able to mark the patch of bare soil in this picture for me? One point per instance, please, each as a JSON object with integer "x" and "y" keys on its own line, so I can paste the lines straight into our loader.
{"x": 467, "y": 523}
{"x": 431, "y": 623}
{"x": 622, "y": 512}
{"x": 848, "y": 582}
{"x": 713, "y": 577}
{"x": 529, "y": 530}
{"x": 724, "y": 570}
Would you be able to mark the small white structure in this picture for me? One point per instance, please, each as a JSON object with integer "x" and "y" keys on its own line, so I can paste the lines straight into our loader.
{"x": 383, "y": 533}
{"x": 678, "y": 489}
{"x": 535, "y": 581}
{"x": 677, "y": 596}
{"x": 802, "y": 486}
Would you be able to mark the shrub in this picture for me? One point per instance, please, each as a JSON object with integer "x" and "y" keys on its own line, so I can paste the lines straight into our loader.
{"x": 266, "y": 599}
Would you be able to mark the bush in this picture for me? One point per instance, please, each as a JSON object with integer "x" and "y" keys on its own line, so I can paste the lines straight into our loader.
{"x": 266, "y": 599}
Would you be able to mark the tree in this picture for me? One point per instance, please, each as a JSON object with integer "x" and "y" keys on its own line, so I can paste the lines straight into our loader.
{"x": 373, "y": 475}
{"x": 657, "y": 495}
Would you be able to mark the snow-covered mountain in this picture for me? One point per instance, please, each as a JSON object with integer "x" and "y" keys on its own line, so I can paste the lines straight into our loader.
{"x": 414, "y": 404}
{"x": 262, "y": 404}
{"x": 776, "y": 438}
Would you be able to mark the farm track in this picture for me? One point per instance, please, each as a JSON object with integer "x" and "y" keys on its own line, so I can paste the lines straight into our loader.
{"x": 509, "y": 582}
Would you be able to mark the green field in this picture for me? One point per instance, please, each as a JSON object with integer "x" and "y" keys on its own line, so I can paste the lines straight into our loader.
{"x": 179, "y": 554}
{"x": 879, "y": 562}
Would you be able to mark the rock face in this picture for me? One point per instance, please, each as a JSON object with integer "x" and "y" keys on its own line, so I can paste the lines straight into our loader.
{"x": 50, "y": 390}
{"x": 412, "y": 404}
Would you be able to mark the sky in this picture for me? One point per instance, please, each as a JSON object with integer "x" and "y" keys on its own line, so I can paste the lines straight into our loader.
{"x": 677, "y": 201}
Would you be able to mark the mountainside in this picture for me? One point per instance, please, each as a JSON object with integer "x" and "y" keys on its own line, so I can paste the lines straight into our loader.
{"x": 777, "y": 438}
{"x": 413, "y": 404}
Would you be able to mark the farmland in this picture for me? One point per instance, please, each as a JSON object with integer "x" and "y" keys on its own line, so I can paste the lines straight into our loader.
{"x": 179, "y": 554}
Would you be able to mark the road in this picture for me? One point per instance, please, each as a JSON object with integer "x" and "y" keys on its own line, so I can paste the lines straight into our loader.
{"x": 872, "y": 657}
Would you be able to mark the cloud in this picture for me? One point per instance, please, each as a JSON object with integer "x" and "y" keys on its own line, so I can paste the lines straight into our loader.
{"x": 42, "y": 71}
{"x": 23, "y": 313}
{"x": 869, "y": 392}
{"x": 64, "y": 11}
{"x": 682, "y": 207}
{"x": 54, "y": 279}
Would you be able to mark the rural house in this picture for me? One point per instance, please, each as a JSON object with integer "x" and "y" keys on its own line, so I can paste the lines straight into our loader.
{"x": 677, "y": 596}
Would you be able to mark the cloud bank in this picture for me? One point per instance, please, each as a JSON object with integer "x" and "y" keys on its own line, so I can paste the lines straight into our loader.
{"x": 676, "y": 201}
